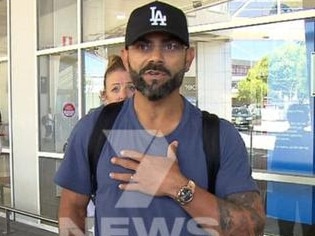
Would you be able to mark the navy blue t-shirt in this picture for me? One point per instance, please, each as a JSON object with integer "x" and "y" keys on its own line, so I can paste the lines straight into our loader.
{"x": 132, "y": 213}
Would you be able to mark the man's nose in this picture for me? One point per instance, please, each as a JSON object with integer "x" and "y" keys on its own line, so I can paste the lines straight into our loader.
{"x": 156, "y": 54}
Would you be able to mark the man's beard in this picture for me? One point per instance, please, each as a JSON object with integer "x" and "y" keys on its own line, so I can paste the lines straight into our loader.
{"x": 154, "y": 91}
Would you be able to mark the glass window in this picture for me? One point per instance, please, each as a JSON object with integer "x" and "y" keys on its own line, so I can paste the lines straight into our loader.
{"x": 93, "y": 19}
{"x": 57, "y": 23}
{"x": 4, "y": 113}
{"x": 94, "y": 66}
{"x": 5, "y": 185}
{"x": 270, "y": 93}
{"x": 58, "y": 99}
{"x": 208, "y": 12}
{"x": 289, "y": 208}
{"x": 5, "y": 179}
{"x": 94, "y": 61}
{"x": 49, "y": 192}
{"x": 3, "y": 29}
{"x": 4, "y": 96}
{"x": 255, "y": 8}
{"x": 272, "y": 107}
{"x": 189, "y": 89}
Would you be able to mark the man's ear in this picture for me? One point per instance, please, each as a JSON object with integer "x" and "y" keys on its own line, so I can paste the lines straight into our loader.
{"x": 190, "y": 55}
{"x": 124, "y": 57}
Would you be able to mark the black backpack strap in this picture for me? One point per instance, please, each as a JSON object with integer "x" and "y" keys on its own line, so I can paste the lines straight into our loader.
{"x": 98, "y": 138}
{"x": 211, "y": 145}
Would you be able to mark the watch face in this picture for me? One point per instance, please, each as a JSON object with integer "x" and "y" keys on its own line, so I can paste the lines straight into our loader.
{"x": 186, "y": 195}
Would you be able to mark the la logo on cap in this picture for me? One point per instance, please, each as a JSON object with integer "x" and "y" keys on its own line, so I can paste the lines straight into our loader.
{"x": 157, "y": 18}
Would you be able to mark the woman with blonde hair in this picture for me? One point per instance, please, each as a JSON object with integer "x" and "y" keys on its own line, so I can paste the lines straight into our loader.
{"x": 117, "y": 82}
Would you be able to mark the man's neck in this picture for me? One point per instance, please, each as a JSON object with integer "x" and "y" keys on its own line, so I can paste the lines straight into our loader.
{"x": 161, "y": 116}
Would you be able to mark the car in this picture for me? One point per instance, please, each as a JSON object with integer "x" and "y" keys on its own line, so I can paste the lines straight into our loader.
{"x": 242, "y": 118}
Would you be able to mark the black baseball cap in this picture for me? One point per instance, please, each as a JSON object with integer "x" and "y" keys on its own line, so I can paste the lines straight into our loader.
{"x": 156, "y": 17}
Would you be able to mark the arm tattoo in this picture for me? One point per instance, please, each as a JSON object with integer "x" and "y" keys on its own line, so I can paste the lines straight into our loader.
{"x": 242, "y": 214}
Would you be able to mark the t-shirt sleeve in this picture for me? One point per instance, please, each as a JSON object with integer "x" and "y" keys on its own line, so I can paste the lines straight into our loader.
{"x": 235, "y": 174}
{"x": 74, "y": 171}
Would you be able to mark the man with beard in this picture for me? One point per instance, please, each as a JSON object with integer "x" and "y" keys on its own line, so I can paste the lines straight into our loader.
{"x": 151, "y": 174}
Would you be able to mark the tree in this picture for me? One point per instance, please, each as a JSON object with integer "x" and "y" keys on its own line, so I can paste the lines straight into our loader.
{"x": 287, "y": 72}
{"x": 282, "y": 75}
{"x": 254, "y": 87}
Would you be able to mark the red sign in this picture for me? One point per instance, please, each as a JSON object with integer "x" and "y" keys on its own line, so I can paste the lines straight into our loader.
{"x": 68, "y": 109}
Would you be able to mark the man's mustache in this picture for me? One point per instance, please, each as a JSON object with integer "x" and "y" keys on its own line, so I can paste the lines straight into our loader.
{"x": 156, "y": 67}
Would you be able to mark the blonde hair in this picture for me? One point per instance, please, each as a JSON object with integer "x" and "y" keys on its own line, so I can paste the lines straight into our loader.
{"x": 115, "y": 63}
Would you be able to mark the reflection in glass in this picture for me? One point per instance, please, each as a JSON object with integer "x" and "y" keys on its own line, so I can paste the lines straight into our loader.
{"x": 58, "y": 99}
{"x": 57, "y": 23}
{"x": 285, "y": 205}
{"x": 5, "y": 184}
{"x": 102, "y": 19}
{"x": 94, "y": 66}
{"x": 3, "y": 29}
{"x": 293, "y": 147}
{"x": 208, "y": 12}
{"x": 270, "y": 81}
{"x": 291, "y": 206}
{"x": 49, "y": 192}
{"x": 256, "y": 8}
{"x": 292, "y": 153}
{"x": 4, "y": 114}
{"x": 94, "y": 61}
{"x": 268, "y": 75}
{"x": 93, "y": 19}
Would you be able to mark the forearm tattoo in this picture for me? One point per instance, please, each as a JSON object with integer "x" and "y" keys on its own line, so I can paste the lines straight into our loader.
{"x": 242, "y": 214}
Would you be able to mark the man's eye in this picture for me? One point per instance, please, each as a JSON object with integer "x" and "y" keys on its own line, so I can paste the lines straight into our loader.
{"x": 172, "y": 46}
{"x": 143, "y": 46}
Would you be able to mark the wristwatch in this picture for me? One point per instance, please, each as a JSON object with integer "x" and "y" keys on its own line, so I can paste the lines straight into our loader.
{"x": 186, "y": 193}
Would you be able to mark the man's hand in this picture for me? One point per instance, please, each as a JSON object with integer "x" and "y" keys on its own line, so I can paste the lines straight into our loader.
{"x": 153, "y": 175}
